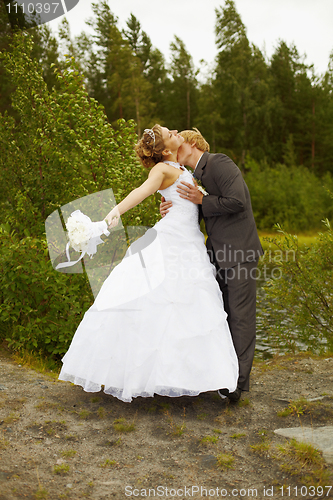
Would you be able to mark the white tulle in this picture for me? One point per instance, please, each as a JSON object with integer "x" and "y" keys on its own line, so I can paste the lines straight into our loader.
{"x": 157, "y": 328}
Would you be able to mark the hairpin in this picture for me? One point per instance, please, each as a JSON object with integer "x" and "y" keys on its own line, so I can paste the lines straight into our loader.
{"x": 151, "y": 134}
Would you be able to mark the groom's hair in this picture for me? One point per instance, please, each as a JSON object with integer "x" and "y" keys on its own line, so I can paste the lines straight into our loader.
{"x": 195, "y": 137}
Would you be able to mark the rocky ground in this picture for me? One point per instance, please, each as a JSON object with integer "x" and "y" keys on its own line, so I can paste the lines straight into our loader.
{"x": 58, "y": 442}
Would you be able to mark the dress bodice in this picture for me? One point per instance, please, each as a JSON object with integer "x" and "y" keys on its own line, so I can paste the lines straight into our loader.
{"x": 180, "y": 206}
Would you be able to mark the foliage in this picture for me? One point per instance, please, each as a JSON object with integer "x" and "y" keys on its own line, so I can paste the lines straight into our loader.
{"x": 61, "y": 148}
{"x": 40, "y": 308}
{"x": 291, "y": 196}
{"x": 57, "y": 144}
{"x": 183, "y": 88}
{"x": 301, "y": 298}
{"x": 244, "y": 103}
{"x": 305, "y": 461}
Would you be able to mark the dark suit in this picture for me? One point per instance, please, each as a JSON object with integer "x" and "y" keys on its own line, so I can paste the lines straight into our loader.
{"x": 234, "y": 248}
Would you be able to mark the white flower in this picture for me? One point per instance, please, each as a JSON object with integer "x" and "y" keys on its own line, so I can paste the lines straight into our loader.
{"x": 78, "y": 234}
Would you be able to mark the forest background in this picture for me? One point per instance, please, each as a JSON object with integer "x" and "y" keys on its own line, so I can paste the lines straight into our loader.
{"x": 71, "y": 109}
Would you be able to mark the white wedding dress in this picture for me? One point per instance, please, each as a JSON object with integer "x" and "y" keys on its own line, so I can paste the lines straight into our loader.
{"x": 158, "y": 325}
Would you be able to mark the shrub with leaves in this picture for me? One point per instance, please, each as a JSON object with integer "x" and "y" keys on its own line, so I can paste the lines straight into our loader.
{"x": 40, "y": 308}
{"x": 61, "y": 148}
{"x": 294, "y": 196}
{"x": 302, "y": 297}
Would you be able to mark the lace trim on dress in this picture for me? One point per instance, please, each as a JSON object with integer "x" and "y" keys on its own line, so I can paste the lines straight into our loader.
{"x": 119, "y": 392}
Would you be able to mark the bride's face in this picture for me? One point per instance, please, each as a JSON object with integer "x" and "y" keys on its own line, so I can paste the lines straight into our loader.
{"x": 172, "y": 140}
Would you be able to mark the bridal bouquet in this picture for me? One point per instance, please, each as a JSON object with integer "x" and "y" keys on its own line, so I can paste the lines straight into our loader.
{"x": 84, "y": 236}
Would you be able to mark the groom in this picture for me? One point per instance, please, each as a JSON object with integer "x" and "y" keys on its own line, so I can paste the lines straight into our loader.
{"x": 233, "y": 244}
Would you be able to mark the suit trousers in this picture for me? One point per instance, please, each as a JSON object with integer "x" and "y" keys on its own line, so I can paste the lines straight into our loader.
{"x": 238, "y": 287}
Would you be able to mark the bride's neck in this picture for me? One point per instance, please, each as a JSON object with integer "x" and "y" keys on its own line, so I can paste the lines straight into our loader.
{"x": 172, "y": 157}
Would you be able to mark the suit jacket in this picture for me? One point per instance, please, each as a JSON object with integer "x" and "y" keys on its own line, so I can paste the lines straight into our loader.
{"x": 227, "y": 211}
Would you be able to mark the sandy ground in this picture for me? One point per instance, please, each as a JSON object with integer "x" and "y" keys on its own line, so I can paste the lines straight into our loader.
{"x": 57, "y": 441}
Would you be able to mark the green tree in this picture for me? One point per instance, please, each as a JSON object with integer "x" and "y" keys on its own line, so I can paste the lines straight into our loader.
{"x": 114, "y": 71}
{"x": 160, "y": 87}
{"x": 46, "y": 52}
{"x": 183, "y": 87}
{"x": 61, "y": 148}
{"x": 209, "y": 119}
{"x": 240, "y": 83}
{"x": 138, "y": 40}
{"x": 324, "y": 121}
{"x": 294, "y": 112}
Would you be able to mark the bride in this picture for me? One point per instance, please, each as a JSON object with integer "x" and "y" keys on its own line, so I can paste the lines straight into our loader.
{"x": 158, "y": 324}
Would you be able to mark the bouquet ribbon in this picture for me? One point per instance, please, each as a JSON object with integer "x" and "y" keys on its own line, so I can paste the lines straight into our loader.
{"x": 84, "y": 236}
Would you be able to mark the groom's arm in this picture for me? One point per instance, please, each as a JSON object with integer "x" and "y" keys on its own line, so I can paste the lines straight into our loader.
{"x": 229, "y": 181}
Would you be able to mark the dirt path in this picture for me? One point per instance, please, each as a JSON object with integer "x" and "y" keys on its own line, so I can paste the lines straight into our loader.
{"x": 57, "y": 441}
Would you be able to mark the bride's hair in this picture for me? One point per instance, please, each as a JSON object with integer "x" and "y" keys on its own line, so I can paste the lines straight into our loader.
{"x": 150, "y": 146}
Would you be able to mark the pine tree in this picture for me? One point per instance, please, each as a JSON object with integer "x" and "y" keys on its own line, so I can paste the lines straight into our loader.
{"x": 183, "y": 106}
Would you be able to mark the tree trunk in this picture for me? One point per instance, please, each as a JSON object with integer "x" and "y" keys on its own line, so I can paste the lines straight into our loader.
{"x": 188, "y": 107}
{"x": 313, "y": 135}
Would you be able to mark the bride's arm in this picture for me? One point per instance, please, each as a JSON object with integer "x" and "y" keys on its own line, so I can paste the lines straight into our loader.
{"x": 150, "y": 186}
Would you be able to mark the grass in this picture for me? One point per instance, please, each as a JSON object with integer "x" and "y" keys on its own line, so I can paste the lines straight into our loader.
{"x": 303, "y": 460}
{"x": 297, "y": 407}
{"x": 3, "y": 442}
{"x": 121, "y": 425}
{"x": 108, "y": 463}
{"x": 101, "y": 412}
{"x": 304, "y": 239}
{"x": 84, "y": 414}
{"x": 12, "y": 417}
{"x": 244, "y": 402}
{"x": 68, "y": 453}
{"x": 37, "y": 362}
{"x": 225, "y": 461}
{"x": 41, "y": 494}
{"x": 209, "y": 440}
{"x": 261, "y": 448}
{"x": 202, "y": 416}
{"x": 46, "y": 405}
{"x": 71, "y": 437}
{"x": 53, "y": 426}
{"x": 237, "y": 436}
{"x": 264, "y": 445}
{"x": 317, "y": 409}
{"x": 176, "y": 429}
{"x": 61, "y": 469}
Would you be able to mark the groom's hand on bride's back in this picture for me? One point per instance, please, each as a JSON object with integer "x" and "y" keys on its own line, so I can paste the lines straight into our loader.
{"x": 164, "y": 206}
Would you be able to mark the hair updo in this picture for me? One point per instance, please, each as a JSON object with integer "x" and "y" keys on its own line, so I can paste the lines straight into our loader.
{"x": 149, "y": 151}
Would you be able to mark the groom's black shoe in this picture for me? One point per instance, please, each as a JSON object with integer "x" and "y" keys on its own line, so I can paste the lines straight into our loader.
{"x": 232, "y": 396}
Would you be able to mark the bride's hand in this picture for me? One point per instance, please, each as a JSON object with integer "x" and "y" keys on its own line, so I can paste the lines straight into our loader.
{"x": 113, "y": 217}
{"x": 164, "y": 206}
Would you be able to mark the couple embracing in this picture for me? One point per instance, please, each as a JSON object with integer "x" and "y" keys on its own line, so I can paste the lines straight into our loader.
{"x": 195, "y": 331}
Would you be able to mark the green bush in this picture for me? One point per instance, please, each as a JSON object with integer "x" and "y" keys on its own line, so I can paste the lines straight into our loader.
{"x": 61, "y": 148}
{"x": 300, "y": 298}
{"x": 40, "y": 308}
{"x": 293, "y": 197}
